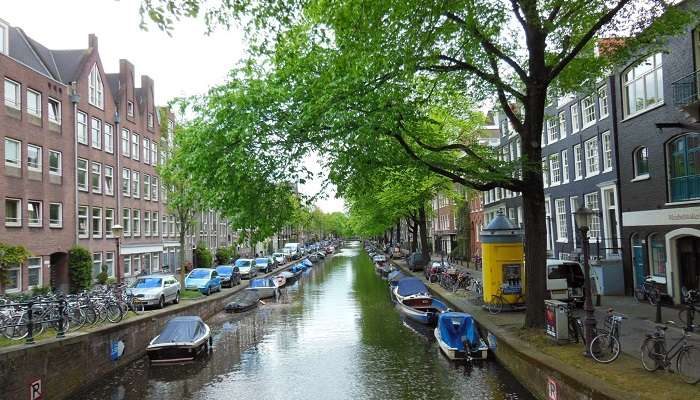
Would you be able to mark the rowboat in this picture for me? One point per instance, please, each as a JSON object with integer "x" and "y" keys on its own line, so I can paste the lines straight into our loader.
{"x": 415, "y": 301}
{"x": 182, "y": 339}
{"x": 458, "y": 337}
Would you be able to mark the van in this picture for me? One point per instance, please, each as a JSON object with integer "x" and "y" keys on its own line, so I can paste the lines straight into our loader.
{"x": 294, "y": 249}
{"x": 565, "y": 281}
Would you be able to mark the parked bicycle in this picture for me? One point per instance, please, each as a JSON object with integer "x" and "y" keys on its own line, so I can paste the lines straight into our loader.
{"x": 575, "y": 325}
{"x": 691, "y": 298}
{"x": 499, "y": 299}
{"x": 656, "y": 356}
{"x": 605, "y": 346}
{"x": 648, "y": 291}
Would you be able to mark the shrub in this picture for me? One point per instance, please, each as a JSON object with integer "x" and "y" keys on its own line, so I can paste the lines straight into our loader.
{"x": 202, "y": 256}
{"x": 102, "y": 276}
{"x": 224, "y": 255}
{"x": 79, "y": 268}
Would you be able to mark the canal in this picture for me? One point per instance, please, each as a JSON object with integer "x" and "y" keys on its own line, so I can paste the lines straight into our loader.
{"x": 335, "y": 335}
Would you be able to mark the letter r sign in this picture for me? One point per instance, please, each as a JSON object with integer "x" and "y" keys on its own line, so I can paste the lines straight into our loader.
{"x": 35, "y": 390}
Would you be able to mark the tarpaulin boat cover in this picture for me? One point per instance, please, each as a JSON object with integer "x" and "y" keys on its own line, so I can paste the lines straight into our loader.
{"x": 454, "y": 326}
{"x": 410, "y": 286}
{"x": 307, "y": 262}
{"x": 295, "y": 269}
{"x": 182, "y": 329}
{"x": 261, "y": 283}
{"x": 395, "y": 275}
{"x": 246, "y": 298}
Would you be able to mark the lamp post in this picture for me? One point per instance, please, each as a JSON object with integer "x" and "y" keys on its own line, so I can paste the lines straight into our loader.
{"x": 117, "y": 231}
{"x": 582, "y": 216}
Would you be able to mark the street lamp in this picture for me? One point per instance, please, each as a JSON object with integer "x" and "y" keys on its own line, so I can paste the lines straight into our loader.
{"x": 583, "y": 216}
{"x": 117, "y": 231}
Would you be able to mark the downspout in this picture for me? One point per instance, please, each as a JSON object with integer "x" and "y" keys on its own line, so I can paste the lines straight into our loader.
{"x": 75, "y": 99}
{"x": 117, "y": 184}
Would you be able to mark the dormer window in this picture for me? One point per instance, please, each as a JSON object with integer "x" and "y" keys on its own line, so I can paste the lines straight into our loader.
{"x": 96, "y": 97}
{"x": 130, "y": 108}
{"x": 3, "y": 38}
{"x": 150, "y": 120}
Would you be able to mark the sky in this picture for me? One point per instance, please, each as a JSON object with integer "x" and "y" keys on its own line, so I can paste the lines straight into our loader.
{"x": 185, "y": 64}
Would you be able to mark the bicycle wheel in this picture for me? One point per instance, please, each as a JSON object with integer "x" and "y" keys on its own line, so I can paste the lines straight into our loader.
{"x": 605, "y": 348}
{"x": 432, "y": 278}
{"x": 639, "y": 295}
{"x": 654, "y": 296}
{"x": 136, "y": 306}
{"x": 76, "y": 318}
{"x": 91, "y": 316}
{"x": 652, "y": 354}
{"x": 683, "y": 316}
{"x": 496, "y": 304}
{"x": 114, "y": 313}
{"x": 688, "y": 364}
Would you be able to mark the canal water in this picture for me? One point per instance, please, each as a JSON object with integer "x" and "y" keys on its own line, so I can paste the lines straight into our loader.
{"x": 336, "y": 335}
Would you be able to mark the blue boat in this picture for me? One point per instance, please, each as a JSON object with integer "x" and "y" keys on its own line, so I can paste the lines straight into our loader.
{"x": 394, "y": 278}
{"x": 307, "y": 263}
{"x": 413, "y": 299}
{"x": 265, "y": 287}
{"x": 296, "y": 270}
{"x": 458, "y": 337}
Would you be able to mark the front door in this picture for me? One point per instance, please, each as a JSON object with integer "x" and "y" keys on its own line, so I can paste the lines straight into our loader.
{"x": 639, "y": 261}
{"x": 689, "y": 257}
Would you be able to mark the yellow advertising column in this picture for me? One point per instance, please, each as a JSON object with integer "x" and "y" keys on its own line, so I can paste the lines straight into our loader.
{"x": 502, "y": 260}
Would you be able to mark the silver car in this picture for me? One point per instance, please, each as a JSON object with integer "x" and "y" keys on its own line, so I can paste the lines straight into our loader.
{"x": 156, "y": 289}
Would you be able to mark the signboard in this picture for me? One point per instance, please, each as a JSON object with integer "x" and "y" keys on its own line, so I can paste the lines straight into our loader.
{"x": 552, "y": 389}
{"x": 35, "y": 392}
{"x": 668, "y": 216}
{"x": 116, "y": 349}
{"x": 550, "y": 319}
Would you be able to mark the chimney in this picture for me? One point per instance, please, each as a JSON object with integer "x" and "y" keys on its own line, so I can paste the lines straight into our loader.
{"x": 92, "y": 41}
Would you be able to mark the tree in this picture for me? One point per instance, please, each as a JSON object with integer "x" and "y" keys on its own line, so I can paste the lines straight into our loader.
{"x": 11, "y": 256}
{"x": 79, "y": 268}
{"x": 202, "y": 255}
{"x": 356, "y": 69}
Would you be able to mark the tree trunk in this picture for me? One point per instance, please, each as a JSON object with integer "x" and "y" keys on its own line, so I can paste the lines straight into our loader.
{"x": 398, "y": 232}
{"x": 182, "y": 254}
{"x": 423, "y": 233}
{"x": 414, "y": 234}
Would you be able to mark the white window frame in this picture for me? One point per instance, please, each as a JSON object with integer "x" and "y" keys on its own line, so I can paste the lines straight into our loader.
{"x": 56, "y": 118}
{"x": 579, "y": 164}
{"x": 126, "y": 221}
{"x": 56, "y": 223}
{"x": 125, "y": 138}
{"x": 16, "y": 160}
{"x": 86, "y": 171}
{"x": 136, "y": 222}
{"x": 565, "y": 165}
{"x": 86, "y": 217}
{"x": 554, "y": 170}
{"x": 36, "y": 110}
{"x": 154, "y": 223}
{"x": 630, "y": 84}
{"x": 552, "y": 136}
{"x": 39, "y": 266}
{"x": 574, "y": 118}
{"x": 606, "y": 141}
{"x": 15, "y": 103}
{"x": 108, "y": 180}
{"x": 149, "y": 120}
{"x": 562, "y": 125}
{"x": 37, "y": 167}
{"x": 108, "y": 138}
{"x": 109, "y": 262}
{"x": 146, "y": 223}
{"x": 560, "y": 212}
{"x": 154, "y": 188}
{"x": 135, "y": 184}
{"x": 39, "y": 222}
{"x": 96, "y": 264}
{"x": 154, "y": 153}
{"x": 130, "y": 108}
{"x": 126, "y": 182}
{"x": 96, "y": 218}
{"x": 127, "y": 266}
{"x": 592, "y": 155}
{"x": 95, "y": 172}
{"x": 146, "y": 186}
{"x": 109, "y": 222}
{"x": 595, "y": 218}
{"x": 17, "y": 220}
{"x": 81, "y": 128}
{"x": 545, "y": 172}
{"x": 4, "y": 39}
{"x": 135, "y": 138}
{"x": 96, "y": 133}
{"x": 603, "y": 104}
{"x": 95, "y": 88}
{"x": 56, "y": 171}
{"x": 588, "y": 109}
{"x": 146, "y": 150}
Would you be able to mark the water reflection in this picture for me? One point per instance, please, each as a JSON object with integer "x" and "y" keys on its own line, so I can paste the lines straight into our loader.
{"x": 335, "y": 335}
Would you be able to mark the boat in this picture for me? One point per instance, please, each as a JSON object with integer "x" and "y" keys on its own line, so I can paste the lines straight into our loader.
{"x": 247, "y": 300}
{"x": 280, "y": 280}
{"x": 415, "y": 301}
{"x": 288, "y": 276}
{"x": 264, "y": 286}
{"x": 182, "y": 339}
{"x": 381, "y": 264}
{"x": 296, "y": 270}
{"x": 307, "y": 263}
{"x": 458, "y": 337}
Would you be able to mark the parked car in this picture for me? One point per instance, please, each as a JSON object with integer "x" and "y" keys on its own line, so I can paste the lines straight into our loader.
{"x": 281, "y": 258}
{"x": 229, "y": 274}
{"x": 565, "y": 281}
{"x": 416, "y": 262}
{"x": 156, "y": 290}
{"x": 274, "y": 262}
{"x": 246, "y": 266}
{"x": 263, "y": 264}
{"x": 206, "y": 280}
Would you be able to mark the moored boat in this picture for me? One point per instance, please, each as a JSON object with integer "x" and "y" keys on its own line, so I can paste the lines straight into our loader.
{"x": 307, "y": 263}
{"x": 247, "y": 300}
{"x": 458, "y": 337}
{"x": 264, "y": 286}
{"x": 280, "y": 280}
{"x": 182, "y": 339}
{"x": 414, "y": 300}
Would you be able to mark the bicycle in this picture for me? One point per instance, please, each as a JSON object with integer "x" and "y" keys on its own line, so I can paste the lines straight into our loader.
{"x": 690, "y": 298}
{"x": 498, "y": 299}
{"x": 575, "y": 325}
{"x": 655, "y": 355}
{"x": 647, "y": 291}
{"x": 605, "y": 347}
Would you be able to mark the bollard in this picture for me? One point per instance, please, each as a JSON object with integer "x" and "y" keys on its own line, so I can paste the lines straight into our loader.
{"x": 61, "y": 312}
{"x": 597, "y": 300}
{"x": 30, "y": 326}
{"x": 658, "y": 310}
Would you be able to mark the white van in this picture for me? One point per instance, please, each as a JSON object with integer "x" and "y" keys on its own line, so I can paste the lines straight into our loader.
{"x": 565, "y": 280}
{"x": 294, "y": 249}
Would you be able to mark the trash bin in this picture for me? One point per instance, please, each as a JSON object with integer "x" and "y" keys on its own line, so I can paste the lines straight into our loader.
{"x": 556, "y": 320}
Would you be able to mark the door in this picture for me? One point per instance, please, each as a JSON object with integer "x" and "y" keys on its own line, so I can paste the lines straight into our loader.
{"x": 689, "y": 256}
{"x": 638, "y": 260}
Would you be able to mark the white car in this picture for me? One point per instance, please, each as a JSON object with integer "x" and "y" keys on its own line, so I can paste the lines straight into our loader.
{"x": 156, "y": 289}
{"x": 246, "y": 266}
{"x": 281, "y": 258}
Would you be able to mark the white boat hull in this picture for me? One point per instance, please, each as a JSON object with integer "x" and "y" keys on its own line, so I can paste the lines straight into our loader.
{"x": 265, "y": 292}
{"x": 454, "y": 354}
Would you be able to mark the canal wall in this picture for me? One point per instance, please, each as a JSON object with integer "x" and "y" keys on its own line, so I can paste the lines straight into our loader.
{"x": 546, "y": 377}
{"x": 58, "y": 368}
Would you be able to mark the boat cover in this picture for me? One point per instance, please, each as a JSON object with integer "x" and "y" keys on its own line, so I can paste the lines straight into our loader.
{"x": 244, "y": 299}
{"x": 307, "y": 262}
{"x": 261, "y": 283}
{"x": 182, "y": 329}
{"x": 456, "y": 325}
{"x": 395, "y": 275}
{"x": 411, "y": 286}
{"x": 287, "y": 274}
{"x": 295, "y": 269}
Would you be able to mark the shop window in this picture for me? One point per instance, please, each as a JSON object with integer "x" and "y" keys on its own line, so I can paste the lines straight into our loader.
{"x": 684, "y": 157}
{"x": 657, "y": 255}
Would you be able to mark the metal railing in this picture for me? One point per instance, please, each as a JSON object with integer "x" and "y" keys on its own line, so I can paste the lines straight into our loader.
{"x": 23, "y": 317}
{"x": 685, "y": 89}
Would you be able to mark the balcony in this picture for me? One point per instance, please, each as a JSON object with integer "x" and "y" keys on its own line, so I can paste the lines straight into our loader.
{"x": 685, "y": 95}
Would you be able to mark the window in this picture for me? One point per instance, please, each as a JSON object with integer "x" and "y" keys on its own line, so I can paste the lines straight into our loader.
{"x": 551, "y": 129}
{"x": 34, "y": 272}
{"x": 125, "y": 143}
{"x": 109, "y": 138}
{"x": 96, "y": 95}
{"x": 83, "y": 222}
{"x": 164, "y": 226}
{"x": 146, "y": 186}
{"x": 545, "y": 172}
{"x": 146, "y": 262}
{"x": 154, "y": 223}
{"x": 607, "y": 151}
{"x": 109, "y": 221}
{"x": 109, "y": 180}
{"x": 592, "y": 157}
{"x": 82, "y": 172}
{"x": 155, "y": 262}
{"x": 55, "y": 163}
{"x": 574, "y": 118}
{"x": 127, "y": 265}
{"x": 657, "y": 256}
{"x": 55, "y": 215}
{"x": 135, "y": 146}
{"x": 96, "y": 129}
{"x": 642, "y": 85}
{"x": 130, "y": 108}
{"x": 96, "y": 177}
{"x": 150, "y": 120}
{"x": 34, "y": 211}
{"x": 13, "y": 212}
{"x": 154, "y": 153}
{"x": 126, "y": 221}
{"x": 641, "y": 162}
{"x": 588, "y": 109}
{"x": 685, "y": 167}
{"x": 154, "y": 188}
{"x": 81, "y": 128}
{"x": 591, "y": 201}
{"x": 146, "y": 151}
{"x": 603, "y": 102}
{"x": 13, "y": 282}
{"x": 13, "y": 153}
{"x": 12, "y": 94}
{"x": 126, "y": 182}
{"x": 96, "y": 222}
{"x": 136, "y": 221}
{"x": 562, "y": 125}
{"x": 54, "y": 111}
{"x": 555, "y": 169}
{"x": 578, "y": 162}
{"x": 34, "y": 103}
{"x": 560, "y": 207}
{"x": 136, "y": 264}
{"x": 96, "y": 264}
{"x": 147, "y": 223}
{"x": 109, "y": 263}
{"x": 565, "y": 166}
{"x": 33, "y": 157}
{"x": 135, "y": 183}
{"x": 172, "y": 226}
{"x": 3, "y": 38}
